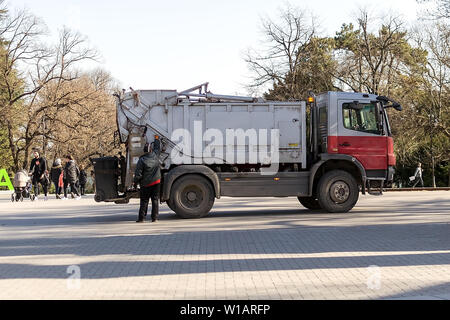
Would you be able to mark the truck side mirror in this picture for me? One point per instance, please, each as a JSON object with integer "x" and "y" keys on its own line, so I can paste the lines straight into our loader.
{"x": 394, "y": 104}
{"x": 397, "y": 107}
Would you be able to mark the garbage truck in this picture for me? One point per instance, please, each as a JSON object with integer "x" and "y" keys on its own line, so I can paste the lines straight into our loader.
{"x": 325, "y": 150}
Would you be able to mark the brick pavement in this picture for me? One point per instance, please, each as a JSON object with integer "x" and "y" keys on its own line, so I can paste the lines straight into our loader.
{"x": 246, "y": 249}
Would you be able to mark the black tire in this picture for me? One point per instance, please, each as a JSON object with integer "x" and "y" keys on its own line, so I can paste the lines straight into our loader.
{"x": 122, "y": 201}
{"x": 170, "y": 205}
{"x": 337, "y": 191}
{"x": 310, "y": 203}
{"x": 99, "y": 196}
{"x": 13, "y": 197}
{"x": 191, "y": 196}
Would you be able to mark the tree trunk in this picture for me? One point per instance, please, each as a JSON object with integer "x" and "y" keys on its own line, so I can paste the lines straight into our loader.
{"x": 26, "y": 154}
{"x": 432, "y": 173}
{"x": 13, "y": 147}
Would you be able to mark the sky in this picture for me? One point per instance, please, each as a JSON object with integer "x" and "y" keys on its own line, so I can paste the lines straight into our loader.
{"x": 167, "y": 44}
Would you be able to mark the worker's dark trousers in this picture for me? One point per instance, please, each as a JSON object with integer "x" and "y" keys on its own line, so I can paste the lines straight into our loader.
{"x": 146, "y": 193}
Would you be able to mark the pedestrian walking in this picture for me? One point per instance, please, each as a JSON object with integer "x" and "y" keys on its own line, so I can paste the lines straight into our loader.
{"x": 148, "y": 176}
{"x": 55, "y": 176}
{"x": 82, "y": 180}
{"x": 38, "y": 171}
{"x": 92, "y": 175}
{"x": 71, "y": 173}
{"x": 77, "y": 183}
{"x": 61, "y": 182}
{"x": 418, "y": 175}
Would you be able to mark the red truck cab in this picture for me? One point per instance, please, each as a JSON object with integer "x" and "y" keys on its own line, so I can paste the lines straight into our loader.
{"x": 357, "y": 125}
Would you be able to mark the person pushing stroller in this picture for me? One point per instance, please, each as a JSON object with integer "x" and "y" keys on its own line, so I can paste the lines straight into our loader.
{"x": 39, "y": 173}
{"x": 22, "y": 186}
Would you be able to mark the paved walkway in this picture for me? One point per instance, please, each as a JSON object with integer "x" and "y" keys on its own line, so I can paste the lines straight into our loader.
{"x": 391, "y": 247}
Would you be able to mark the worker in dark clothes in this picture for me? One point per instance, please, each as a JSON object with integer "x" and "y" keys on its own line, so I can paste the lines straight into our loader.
{"x": 148, "y": 176}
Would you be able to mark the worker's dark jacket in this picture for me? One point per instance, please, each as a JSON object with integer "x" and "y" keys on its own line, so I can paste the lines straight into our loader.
{"x": 147, "y": 172}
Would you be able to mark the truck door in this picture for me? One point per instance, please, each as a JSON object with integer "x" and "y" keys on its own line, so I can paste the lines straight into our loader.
{"x": 322, "y": 128}
{"x": 360, "y": 135}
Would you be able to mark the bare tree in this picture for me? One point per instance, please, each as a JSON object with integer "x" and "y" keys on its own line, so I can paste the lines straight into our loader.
{"x": 85, "y": 126}
{"x": 440, "y": 9}
{"x": 284, "y": 38}
{"x": 371, "y": 60}
{"x": 433, "y": 108}
{"x": 37, "y": 66}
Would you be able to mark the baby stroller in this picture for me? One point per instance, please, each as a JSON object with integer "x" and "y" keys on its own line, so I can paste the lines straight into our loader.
{"x": 22, "y": 187}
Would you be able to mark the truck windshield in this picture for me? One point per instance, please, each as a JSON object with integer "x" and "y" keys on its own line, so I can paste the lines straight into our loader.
{"x": 362, "y": 119}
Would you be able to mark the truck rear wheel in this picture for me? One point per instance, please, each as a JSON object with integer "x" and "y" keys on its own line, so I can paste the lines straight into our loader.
{"x": 310, "y": 203}
{"x": 337, "y": 191}
{"x": 191, "y": 196}
{"x": 170, "y": 205}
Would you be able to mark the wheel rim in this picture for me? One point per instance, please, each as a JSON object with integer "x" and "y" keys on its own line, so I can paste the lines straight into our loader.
{"x": 192, "y": 196}
{"x": 339, "y": 192}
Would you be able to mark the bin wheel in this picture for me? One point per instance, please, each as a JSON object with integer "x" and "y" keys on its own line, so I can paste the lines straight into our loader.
{"x": 122, "y": 201}
{"x": 99, "y": 196}
{"x": 13, "y": 197}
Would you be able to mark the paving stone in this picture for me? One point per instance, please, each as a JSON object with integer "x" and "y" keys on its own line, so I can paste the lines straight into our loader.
{"x": 394, "y": 247}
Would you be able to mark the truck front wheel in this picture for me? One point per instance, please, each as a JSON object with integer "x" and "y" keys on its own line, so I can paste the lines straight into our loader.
{"x": 337, "y": 191}
{"x": 310, "y": 203}
{"x": 191, "y": 196}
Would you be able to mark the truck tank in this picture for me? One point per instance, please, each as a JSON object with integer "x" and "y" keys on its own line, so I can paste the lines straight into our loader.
{"x": 198, "y": 127}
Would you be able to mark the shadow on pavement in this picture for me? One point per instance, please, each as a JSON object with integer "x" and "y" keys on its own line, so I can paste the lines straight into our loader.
{"x": 409, "y": 244}
{"x": 288, "y": 240}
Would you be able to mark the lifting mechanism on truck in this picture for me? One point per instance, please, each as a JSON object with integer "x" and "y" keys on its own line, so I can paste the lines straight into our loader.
{"x": 324, "y": 151}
